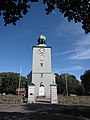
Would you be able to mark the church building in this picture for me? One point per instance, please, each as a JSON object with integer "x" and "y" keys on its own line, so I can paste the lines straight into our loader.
{"x": 41, "y": 75}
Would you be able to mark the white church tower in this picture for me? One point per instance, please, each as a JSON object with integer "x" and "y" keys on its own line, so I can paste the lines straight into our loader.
{"x": 42, "y": 76}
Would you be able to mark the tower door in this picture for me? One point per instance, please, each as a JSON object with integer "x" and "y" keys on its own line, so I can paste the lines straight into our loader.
{"x": 41, "y": 90}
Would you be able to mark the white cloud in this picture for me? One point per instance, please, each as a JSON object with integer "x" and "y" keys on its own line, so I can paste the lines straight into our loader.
{"x": 70, "y": 68}
{"x": 80, "y": 44}
{"x": 74, "y": 68}
{"x": 66, "y": 28}
{"x": 80, "y": 51}
{"x": 85, "y": 40}
{"x": 66, "y": 52}
{"x": 63, "y": 53}
{"x": 81, "y": 54}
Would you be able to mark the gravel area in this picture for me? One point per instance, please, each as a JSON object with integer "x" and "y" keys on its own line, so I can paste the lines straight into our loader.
{"x": 42, "y": 111}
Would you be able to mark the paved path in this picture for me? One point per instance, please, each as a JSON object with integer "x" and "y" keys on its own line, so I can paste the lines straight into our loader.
{"x": 47, "y": 111}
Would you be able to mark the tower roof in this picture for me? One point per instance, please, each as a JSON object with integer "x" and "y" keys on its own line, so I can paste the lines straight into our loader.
{"x": 42, "y": 40}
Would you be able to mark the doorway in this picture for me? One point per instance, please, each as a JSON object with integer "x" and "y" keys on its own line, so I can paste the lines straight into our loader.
{"x": 41, "y": 90}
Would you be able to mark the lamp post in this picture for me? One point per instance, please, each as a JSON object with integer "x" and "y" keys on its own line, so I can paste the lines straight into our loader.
{"x": 66, "y": 84}
{"x": 19, "y": 81}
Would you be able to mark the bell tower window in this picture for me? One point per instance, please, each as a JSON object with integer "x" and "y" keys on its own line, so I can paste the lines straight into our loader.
{"x": 41, "y": 64}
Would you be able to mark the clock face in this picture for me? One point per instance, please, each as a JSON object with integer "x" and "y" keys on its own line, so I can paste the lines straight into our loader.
{"x": 41, "y": 50}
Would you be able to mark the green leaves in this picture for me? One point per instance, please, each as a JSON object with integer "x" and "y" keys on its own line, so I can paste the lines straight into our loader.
{"x": 77, "y": 10}
{"x": 85, "y": 80}
{"x": 74, "y": 86}
{"x": 9, "y": 82}
{"x": 13, "y": 10}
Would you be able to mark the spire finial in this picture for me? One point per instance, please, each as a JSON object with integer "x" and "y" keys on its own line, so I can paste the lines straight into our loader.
{"x": 41, "y": 30}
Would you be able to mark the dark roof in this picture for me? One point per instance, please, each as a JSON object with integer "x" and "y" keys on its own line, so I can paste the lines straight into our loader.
{"x": 31, "y": 84}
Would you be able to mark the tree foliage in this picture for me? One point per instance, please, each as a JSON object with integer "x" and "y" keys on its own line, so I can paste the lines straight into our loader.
{"x": 74, "y": 86}
{"x": 60, "y": 84}
{"x": 9, "y": 82}
{"x": 85, "y": 80}
{"x": 77, "y": 10}
{"x": 73, "y": 83}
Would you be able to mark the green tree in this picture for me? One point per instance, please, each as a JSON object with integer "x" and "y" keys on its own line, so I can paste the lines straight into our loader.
{"x": 74, "y": 86}
{"x": 9, "y": 82}
{"x": 80, "y": 89}
{"x": 77, "y": 10}
{"x": 0, "y": 83}
{"x": 60, "y": 84}
{"x": 85, "y": 80}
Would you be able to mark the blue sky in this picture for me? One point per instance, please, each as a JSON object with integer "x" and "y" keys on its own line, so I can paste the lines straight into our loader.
{"x": 70, "y": 44}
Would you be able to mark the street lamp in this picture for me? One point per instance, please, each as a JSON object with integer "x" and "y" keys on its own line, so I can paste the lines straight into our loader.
{"x": 19, "y": 81}
{"x": 66, "y": 84}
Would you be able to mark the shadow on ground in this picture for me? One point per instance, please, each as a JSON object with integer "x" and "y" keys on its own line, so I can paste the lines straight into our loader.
{"x": 48, "y": 112}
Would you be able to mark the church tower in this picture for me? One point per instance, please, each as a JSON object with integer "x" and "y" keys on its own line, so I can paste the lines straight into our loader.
{"x": 42, "y": 76}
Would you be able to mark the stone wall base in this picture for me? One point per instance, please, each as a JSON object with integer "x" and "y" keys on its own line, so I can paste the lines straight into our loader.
{"x": 74, "y": 99}
{"x": 11, "y": 99}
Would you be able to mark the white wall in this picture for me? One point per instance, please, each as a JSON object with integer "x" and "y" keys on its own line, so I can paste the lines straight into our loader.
{"x": 47, "y": 80}
{"x": 38, "y": 58}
